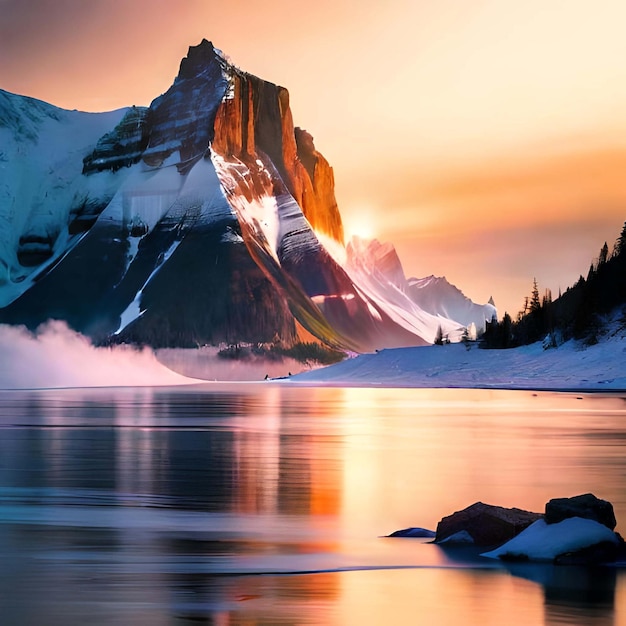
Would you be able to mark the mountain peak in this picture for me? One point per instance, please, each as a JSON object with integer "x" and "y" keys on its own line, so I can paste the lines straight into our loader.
{"x": 197, "y": 59}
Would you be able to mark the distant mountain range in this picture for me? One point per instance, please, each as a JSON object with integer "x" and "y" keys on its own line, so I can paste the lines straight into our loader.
{"x": 205, "y": 218}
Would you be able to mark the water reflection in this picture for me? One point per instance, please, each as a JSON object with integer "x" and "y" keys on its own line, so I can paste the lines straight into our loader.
{"x": 571, "y": 594}
{"x": 575, "y": 594}
{"x": 214, "y": 452}
{"x": 162, "y": 506}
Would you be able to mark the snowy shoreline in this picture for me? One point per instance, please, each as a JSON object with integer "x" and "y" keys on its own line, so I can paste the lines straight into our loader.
{"x": 572, "y": 367}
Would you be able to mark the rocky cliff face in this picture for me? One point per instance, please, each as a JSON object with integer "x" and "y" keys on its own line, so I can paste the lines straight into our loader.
{"x": 182, "y": 119}
{"x": 179, "y": 122}
{"x": 322, "y": 211}
{"x": 254, "y": 120}
{"x": 123, "y": 146}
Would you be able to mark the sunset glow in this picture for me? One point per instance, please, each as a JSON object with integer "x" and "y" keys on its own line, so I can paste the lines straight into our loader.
{"x": 488, "y": 138}
{"x": 361, "y": 222}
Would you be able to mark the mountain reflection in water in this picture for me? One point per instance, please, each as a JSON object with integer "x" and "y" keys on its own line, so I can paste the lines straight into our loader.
{"x": 262, "y": 504}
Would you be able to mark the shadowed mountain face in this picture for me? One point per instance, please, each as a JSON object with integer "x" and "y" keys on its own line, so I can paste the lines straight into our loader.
{"x": 205, "y": 218}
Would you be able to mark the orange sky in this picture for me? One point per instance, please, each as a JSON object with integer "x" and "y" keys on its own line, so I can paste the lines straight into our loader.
{"x": 485, "y": 139}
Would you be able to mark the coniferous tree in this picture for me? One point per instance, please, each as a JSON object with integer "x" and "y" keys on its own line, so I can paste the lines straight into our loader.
{"x": 535, "y": 303}
{"x": 465, "y": 338}
{"x": 620, "y": 244}
{"x": 604, "y": 254}
{"x": 439, "y": 336}
{"x": 490, "y": 336}
{"x": 506, "y": 332}
{"x": 547, "y": 316}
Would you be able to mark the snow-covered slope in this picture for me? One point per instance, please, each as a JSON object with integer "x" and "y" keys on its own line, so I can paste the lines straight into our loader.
{"x": 423, "y": 305}
{"x": 570, "y": 366}
{"x": 45, "y": 203}
{"x": 207, "y": 218}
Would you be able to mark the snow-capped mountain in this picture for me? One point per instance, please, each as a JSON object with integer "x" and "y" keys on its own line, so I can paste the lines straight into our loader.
{"x": 435, "y": 295}
{"x": 204, "y": 218}
{"x": 433, "y": 300}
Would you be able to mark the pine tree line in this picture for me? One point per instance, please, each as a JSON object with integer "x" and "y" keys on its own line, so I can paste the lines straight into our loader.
{"x": 575, "y": 313}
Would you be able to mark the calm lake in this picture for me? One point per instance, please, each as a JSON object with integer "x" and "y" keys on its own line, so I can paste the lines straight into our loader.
{"x": 266, "y": 504}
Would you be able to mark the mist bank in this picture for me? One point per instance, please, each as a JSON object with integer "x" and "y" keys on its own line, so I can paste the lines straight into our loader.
{"x": 55, "y": 356}
{"x": 208, "y": 364}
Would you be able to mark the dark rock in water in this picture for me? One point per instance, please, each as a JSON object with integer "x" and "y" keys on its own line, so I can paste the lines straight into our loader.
{"x": 604, "y": 552}
{"x": 413, "y": 532}
{"x": 486, "y": 524}
{"x": 586, "y": 506}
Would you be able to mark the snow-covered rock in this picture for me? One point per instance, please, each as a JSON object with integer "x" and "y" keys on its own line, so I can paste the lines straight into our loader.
{"x": 416, "y": 532}
{"x": 555, "y": 542}
{"x": 460, "y": 538}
